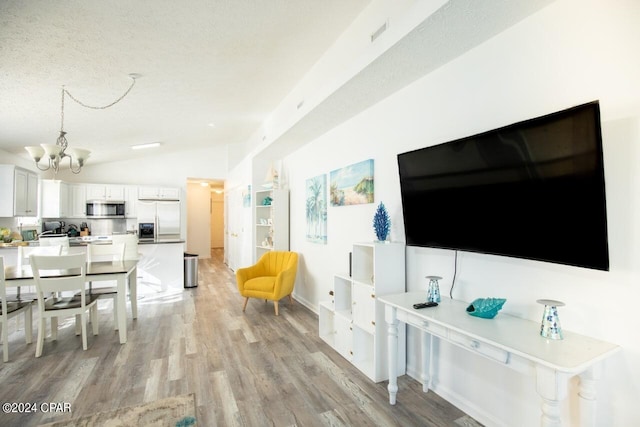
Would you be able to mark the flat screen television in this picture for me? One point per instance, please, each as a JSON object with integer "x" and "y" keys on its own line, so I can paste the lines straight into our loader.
{"x": 534, "y": 190}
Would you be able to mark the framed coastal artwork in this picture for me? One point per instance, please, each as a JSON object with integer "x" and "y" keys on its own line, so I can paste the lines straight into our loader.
{"x": 316, "y": 209}
{"x": 246, "y": 197}
{"x": 353, "y": 184}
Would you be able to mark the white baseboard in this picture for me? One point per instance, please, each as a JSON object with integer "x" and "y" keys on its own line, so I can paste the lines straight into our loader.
{"x": 468, "y": 407}
{"x": 306, "y": 303}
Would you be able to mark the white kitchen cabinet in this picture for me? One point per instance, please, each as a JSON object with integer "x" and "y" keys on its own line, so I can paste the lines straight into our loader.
{"x": 130, "y": 201}
{"x": 18, "y": 192}
{"x": 352, "y": 322}
{"x": 55, "y": 199}
{"x": 271, "y": 221}
{"x": 105, "y": 192}
{"x": 158, "y": 193}
{"x": 77, "y": 200}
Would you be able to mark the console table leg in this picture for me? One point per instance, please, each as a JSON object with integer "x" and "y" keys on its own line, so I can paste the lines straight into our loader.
{"x": 587, "y": 393}
{"x": 392, "y": 320}
{"x": 551, "y": 416}
{"x": 427, "y": 344}
{"x": 552, "y": 388}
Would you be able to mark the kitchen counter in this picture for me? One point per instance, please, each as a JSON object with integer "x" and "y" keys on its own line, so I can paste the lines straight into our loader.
{"x": 84, "y": 241}
{"x": 160, "y": 265}
{"x": 160, "y": 241}
{"x": 14, "y": 244}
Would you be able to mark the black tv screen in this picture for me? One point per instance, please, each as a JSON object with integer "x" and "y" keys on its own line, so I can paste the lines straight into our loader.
{"x": 534, "y": 189}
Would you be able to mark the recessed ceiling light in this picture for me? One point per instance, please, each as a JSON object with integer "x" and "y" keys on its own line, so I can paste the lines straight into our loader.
{"x": 211, "y": 125}
{"x": 149, "y": 145}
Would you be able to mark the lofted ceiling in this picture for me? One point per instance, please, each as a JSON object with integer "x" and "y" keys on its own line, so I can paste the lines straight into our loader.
{"x": 210, "y": 70}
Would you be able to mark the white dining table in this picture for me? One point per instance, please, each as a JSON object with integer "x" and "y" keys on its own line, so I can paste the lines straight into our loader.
{"x": 122, "y": 272}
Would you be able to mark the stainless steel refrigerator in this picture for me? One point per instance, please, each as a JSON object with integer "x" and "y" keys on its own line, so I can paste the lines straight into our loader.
{"x": 165, "y": 215}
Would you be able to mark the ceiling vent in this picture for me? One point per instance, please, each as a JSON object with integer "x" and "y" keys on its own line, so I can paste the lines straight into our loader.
{"x": 377, "y": 33}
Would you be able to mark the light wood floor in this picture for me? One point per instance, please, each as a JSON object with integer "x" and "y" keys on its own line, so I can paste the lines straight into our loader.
{"x": 246, "y": 369}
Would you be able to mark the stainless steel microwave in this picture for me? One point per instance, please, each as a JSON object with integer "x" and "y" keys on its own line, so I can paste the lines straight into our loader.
{"x": 105, "y": 209}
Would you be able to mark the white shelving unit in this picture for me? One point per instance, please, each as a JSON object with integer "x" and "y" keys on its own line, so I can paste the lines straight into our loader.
{"x": 271, "y": 221}
{"x": 352, "y": 322}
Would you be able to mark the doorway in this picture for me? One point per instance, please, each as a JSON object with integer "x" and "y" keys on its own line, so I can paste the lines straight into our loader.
{"x": 205, "y": 216}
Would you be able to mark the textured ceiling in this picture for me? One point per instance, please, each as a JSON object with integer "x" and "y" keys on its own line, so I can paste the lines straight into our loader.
{"x": 222, "y": 62}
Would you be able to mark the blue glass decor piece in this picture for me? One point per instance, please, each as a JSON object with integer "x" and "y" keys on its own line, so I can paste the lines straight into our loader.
{"x": 487, "y": 308}
{"x": 267, "y": 201}
{"x": 433, "y": 290}
{"x": 381, "y": 223}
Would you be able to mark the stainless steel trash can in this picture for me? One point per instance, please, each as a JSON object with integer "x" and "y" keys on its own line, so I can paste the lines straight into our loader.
{"x": 190, "y": 270}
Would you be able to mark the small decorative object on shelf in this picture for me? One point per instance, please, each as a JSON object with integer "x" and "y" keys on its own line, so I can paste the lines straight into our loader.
{"x": 550, "y": 327}
{"x": 487, "y": 308}
{"x": 433, "y": 290}
{"x": 267, "y": 201}
{"x": 381, "y": 223}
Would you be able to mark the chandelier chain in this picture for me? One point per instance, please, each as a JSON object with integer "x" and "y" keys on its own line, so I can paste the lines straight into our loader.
{"x": 98, "y": 107}
{"x": 55, "y": 154}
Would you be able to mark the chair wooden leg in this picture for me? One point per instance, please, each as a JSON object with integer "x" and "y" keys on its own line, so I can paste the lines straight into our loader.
{"x": 115, "y": 312}
{"x": 246, "y": 300}
{"x": 5, "y": 341}
{"x": 54, "y": 328}
{"x": 28, "y": 325}
{"x": 290, "y": 299}
{"x": 78, "y": 329}
{"x": 41, "y": 331}
{"x": 94, "y": 319}
{"x": 275, "y": 304}
{"x": 83, "y": 325}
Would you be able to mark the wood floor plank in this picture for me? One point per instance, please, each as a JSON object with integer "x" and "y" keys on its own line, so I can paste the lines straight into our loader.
{"x": 246, "y": 369}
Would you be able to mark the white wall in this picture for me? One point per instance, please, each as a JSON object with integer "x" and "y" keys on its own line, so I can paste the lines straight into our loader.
{"x": 569, "y": 53}
{"x": 158, "y": 169}
{"x": 238, "y": 247}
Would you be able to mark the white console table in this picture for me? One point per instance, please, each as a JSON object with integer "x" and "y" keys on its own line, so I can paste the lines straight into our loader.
{"x": 508, "y": 340}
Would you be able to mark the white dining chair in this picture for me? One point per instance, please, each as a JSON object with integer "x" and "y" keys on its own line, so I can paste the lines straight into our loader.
{"x": 131, "y": 245}
{"x": 130, "y": 253}
{"x": 55, "y": 241}
{"x": 24, "y": 252}
{"x": 46, "y": 273}
{"x": 11, "y": 309}
{"x": 106, "y": 252}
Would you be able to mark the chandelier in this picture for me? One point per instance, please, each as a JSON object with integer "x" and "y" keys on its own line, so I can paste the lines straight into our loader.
{"x": 56, "y": 153}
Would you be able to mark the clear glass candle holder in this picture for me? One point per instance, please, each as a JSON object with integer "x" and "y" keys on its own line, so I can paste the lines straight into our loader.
{"x": 550, "y": 327}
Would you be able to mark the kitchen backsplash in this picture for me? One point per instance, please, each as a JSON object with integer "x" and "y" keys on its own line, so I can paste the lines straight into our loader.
{"x": 98, "y": 227}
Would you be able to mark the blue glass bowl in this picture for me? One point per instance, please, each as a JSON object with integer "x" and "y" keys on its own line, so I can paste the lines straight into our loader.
{"x": 487, "y": 308}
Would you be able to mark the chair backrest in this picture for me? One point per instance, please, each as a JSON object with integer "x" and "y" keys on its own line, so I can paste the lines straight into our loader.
{"x": 273, "y": 262}
{"x": 105, "y": 252}
{"x": 54, "y": 241}
{"x": 130, "y": 242}
{"x": 24, "y": 252}
{"x": 59, "y": 274}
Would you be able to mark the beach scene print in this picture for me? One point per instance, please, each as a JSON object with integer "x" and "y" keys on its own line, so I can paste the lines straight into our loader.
{"x": 352, "y": 185}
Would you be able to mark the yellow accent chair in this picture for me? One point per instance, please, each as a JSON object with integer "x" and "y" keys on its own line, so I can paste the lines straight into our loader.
{"x": 271, "y": 278}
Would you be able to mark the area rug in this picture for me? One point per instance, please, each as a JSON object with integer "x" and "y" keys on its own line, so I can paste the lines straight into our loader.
{"x": 178, "y": 411}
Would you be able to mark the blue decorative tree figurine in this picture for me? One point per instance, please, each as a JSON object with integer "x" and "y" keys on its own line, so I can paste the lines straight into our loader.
{"x": 381, "y": 223}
